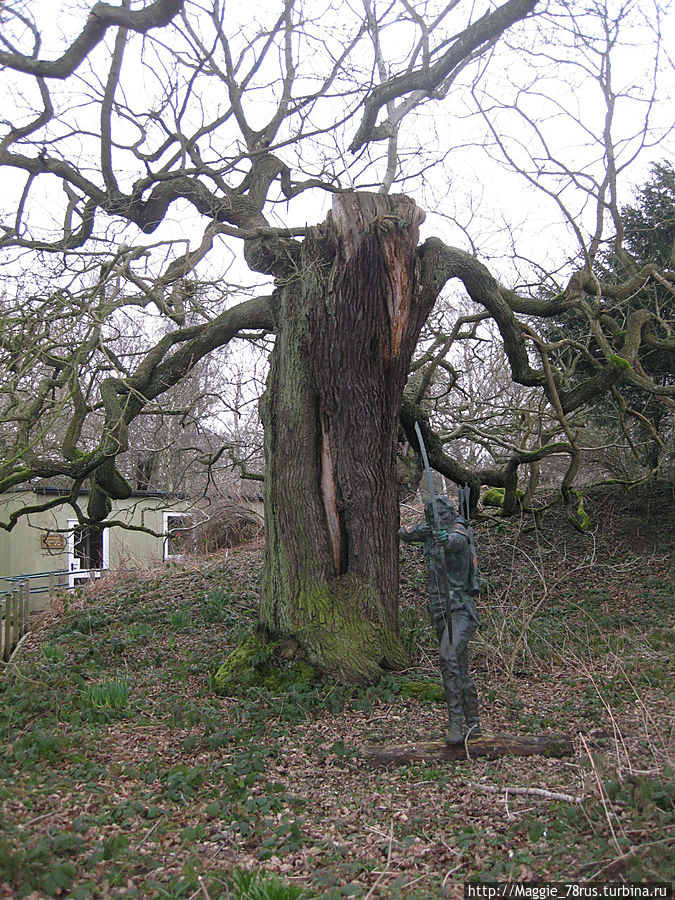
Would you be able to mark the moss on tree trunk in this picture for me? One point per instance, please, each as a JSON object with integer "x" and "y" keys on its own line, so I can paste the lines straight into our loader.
{"x": 346, "y": 321}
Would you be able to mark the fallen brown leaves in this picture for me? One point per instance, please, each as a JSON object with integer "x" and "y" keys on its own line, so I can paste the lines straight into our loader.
{"x": 333, "y": 823}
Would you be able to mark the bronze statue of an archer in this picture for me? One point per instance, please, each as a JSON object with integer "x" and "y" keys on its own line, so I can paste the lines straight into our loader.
{"x": 452, "y": 583}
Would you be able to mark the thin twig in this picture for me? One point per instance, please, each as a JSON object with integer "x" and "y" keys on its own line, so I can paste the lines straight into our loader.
{"x": 451, "y": 872}
{"x": 202, "y": 885}
{"x": 466, "y": 745}
{"x": 37, "y": 819}
{"x": 628, "y": 854}
{"x": 618, "y": 736}
{"x": 386, "y": 868}
{"x": 506, "y": 805}
{"x": 602, "y": 793}
{"x": 147, "y": 834}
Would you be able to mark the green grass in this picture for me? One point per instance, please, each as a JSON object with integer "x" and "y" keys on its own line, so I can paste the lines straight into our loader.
{"x": 107, "y": 695}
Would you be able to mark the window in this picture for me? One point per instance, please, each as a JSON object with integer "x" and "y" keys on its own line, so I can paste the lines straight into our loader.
{"x": 88, "y": 552}
{"x": 178, "y": 534}
{"x": 88, "y": 546}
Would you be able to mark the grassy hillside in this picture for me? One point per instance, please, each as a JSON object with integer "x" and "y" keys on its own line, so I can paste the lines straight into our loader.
{"x": 123, "y": 773}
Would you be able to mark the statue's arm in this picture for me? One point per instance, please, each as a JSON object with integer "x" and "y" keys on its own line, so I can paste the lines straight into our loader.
{"x": 457, "y": 540}
{"x": 417, "y": 534}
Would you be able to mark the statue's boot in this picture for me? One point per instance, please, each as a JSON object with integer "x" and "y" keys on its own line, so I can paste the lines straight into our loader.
{"x": 454, "y": 734}
{"x": 470, "y": 707}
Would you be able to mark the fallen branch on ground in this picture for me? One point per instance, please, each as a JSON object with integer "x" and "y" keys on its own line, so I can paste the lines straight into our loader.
{"x": 490, "y": 746}
{"x": 529, "y": 791}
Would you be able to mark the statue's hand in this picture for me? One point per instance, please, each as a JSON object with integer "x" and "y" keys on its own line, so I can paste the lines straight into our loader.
{"x": 441, "y": 537}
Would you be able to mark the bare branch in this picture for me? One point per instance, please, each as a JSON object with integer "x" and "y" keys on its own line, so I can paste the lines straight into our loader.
{"x": 101, "y": 17}
{"x": 428, "y": 79}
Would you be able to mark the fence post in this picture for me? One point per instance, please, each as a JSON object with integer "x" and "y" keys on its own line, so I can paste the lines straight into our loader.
{"x": 52, "y": 582}
{"x": 16, "y": 625}
{"x": 8, "y": 626}
{"x": 25, "y": 614}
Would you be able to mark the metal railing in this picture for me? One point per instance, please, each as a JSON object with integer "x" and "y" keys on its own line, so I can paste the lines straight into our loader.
{"x": 53, "y": 581}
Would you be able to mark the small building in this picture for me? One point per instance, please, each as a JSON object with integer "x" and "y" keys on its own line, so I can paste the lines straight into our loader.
{"x": 49, "y": 547}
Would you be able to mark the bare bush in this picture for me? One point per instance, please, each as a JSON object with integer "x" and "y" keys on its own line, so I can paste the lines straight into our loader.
{"x": 231, "y": 523}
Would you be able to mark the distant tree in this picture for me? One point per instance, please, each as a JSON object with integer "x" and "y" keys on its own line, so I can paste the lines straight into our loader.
{"x": 648, "y": 240}
{"x": 649, "y": 225}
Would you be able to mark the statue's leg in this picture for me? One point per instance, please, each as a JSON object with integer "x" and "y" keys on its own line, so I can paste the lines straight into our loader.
{"x": 463, "y": 629}
{"x": 452, "y": 682}
{"x": 470, "y": 706}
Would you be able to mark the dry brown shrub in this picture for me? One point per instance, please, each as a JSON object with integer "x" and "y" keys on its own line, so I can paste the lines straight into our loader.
{"x": 231, "y": 523}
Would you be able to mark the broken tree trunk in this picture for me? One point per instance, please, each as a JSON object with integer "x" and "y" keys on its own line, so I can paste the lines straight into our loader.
{"x": 346, "y": 322}
{"x": 490, "y": 746}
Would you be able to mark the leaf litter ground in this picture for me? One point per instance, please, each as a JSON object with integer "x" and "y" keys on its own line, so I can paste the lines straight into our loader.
{"x": 124, "y": 774}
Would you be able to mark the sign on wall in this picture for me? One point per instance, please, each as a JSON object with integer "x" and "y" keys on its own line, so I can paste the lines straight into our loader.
{"x": 53, "y": 542}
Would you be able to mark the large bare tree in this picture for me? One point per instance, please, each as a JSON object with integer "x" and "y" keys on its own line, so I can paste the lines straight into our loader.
{"x": 173, "y": 142}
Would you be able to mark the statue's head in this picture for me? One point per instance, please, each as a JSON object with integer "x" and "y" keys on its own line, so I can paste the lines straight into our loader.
{"x": 446, "y": 513}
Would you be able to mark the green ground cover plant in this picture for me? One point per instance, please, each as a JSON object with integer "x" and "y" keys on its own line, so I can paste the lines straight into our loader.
{"x": 128, "y": 771}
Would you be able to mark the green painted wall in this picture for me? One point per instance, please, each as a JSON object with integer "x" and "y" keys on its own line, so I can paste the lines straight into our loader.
{"x": 21, "y": 551}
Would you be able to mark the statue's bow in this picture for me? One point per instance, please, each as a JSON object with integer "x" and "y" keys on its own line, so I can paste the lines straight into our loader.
{"x": 427, "y": 469}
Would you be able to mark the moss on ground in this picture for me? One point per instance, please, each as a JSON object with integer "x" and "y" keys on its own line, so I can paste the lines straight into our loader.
{"x": 430, "y": 691}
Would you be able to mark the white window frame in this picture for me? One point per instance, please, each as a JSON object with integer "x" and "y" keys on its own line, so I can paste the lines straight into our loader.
{"x": 166, "y": 516}
{"x": 76, "y": 575}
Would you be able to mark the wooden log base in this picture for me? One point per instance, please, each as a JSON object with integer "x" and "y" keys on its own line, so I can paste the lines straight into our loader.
{"x": 491, "y": 746}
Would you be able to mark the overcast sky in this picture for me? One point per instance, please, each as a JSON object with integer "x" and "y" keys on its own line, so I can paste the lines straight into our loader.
{"x": 472, "y": 188}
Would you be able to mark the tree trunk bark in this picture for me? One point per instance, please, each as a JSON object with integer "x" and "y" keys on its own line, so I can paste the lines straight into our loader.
{"x": 346, "y": 321}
